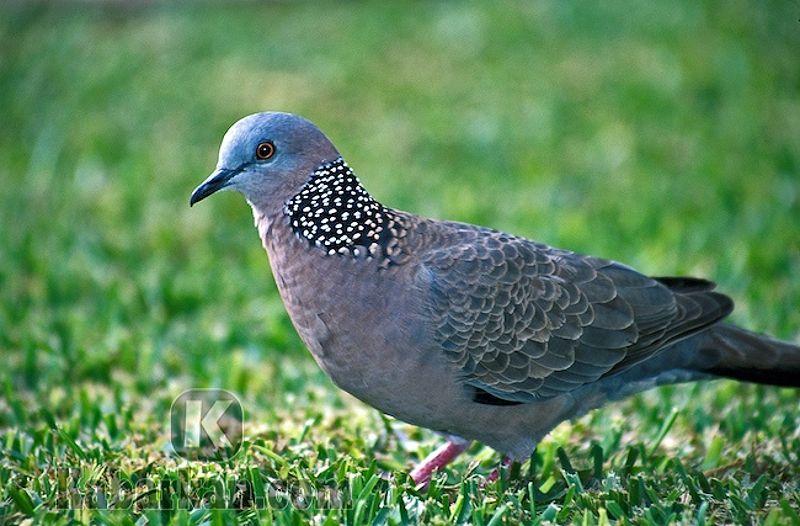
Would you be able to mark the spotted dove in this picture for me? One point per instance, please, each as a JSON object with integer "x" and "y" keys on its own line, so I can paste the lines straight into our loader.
{"x": 468, "y": 331}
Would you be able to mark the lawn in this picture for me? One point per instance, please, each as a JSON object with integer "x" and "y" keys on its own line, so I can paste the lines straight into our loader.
{"x": 661, "y": 134}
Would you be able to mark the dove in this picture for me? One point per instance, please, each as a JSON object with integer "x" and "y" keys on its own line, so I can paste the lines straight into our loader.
{"x": 474, "y": 333}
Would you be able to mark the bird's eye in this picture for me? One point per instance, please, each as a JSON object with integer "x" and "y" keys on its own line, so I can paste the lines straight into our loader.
{"x": 265, "y": 150}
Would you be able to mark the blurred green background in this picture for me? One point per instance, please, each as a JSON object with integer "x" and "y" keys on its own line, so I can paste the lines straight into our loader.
{"x": 661, "y": 134}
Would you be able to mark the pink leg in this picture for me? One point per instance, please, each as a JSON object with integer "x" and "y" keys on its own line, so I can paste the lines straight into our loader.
{"x": 495, "y": 474}
{"x": 445, "y": 454}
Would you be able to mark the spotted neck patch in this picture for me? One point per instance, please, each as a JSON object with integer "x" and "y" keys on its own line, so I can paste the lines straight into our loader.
{"x": 334, "y": 212}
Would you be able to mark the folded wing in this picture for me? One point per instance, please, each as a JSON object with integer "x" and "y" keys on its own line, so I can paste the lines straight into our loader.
{"x": 524, "y": 321}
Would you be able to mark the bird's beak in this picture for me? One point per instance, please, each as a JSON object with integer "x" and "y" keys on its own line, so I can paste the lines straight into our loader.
{"x": 216, "y": 181}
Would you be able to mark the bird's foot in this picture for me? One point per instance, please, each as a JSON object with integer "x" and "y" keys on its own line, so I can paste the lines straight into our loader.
{"x": 495, "y": 474}
{"x": 422, "y": 473}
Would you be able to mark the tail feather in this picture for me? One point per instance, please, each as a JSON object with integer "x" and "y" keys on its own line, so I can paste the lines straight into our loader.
{"x": 686, "y": 285}
{"x": 731, "y": 352}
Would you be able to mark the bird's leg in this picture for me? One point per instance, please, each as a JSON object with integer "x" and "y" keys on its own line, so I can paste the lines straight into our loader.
{"x": 443, "y": 455}
{"x": 495, "y": 474}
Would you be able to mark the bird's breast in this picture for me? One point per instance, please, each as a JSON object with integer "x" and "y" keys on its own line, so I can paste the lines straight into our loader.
{"x": 356, "y": 317}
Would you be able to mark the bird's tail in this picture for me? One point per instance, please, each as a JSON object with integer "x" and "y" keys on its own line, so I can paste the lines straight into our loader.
{"x": 728, "y": 351}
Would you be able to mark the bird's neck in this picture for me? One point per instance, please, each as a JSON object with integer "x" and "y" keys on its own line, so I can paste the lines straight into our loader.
{"x": 336, "y": 214}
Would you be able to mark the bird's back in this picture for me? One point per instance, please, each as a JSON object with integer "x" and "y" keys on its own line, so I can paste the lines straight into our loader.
{"x": 525, "y": 321}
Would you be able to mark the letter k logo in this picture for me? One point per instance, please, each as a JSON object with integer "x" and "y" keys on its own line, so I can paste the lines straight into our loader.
{"x": 206, "y": 424}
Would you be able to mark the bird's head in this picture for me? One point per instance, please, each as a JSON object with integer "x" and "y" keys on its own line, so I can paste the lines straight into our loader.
{"x": 267, "y": 157}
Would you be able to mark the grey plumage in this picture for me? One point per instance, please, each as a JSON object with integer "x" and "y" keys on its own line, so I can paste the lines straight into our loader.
{"x": 466, "y": 330}
{"x": 525, "y": 321}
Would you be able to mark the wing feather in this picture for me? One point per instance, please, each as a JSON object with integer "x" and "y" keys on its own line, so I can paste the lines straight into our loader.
{"x": 523, "y": 321}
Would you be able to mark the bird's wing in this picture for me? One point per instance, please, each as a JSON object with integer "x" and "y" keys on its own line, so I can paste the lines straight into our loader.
{"x": 524, "y": 321}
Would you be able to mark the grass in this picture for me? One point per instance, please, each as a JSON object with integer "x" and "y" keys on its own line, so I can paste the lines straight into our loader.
{"x": 660, "y": 134}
